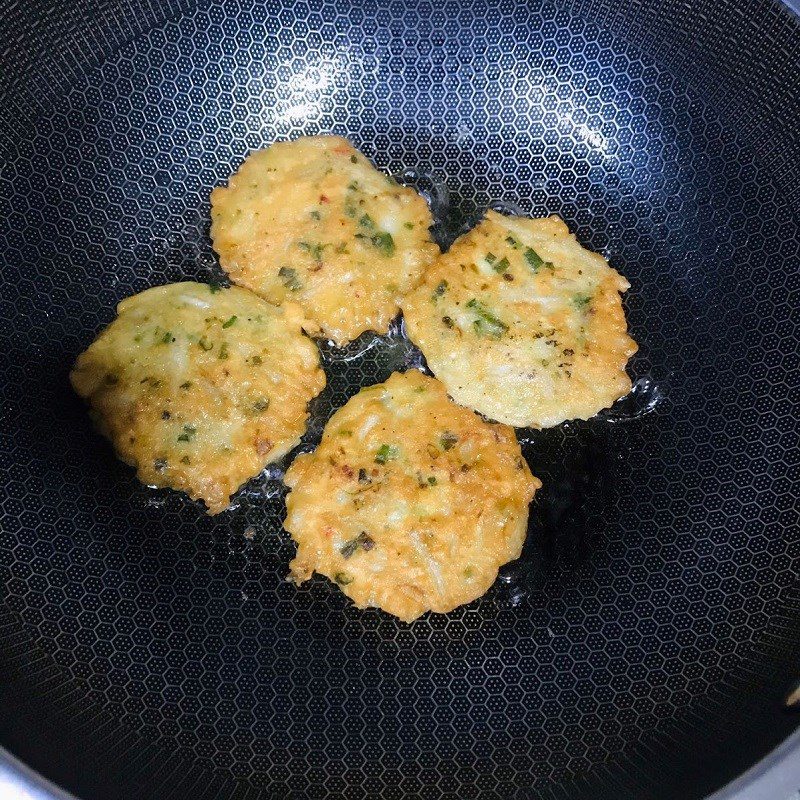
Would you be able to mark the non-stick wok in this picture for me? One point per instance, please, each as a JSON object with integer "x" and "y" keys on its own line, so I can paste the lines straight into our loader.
{"x": 646, "y": 643}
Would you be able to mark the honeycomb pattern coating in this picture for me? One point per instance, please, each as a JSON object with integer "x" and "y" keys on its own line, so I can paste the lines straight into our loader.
{"x": 641, "y": 645}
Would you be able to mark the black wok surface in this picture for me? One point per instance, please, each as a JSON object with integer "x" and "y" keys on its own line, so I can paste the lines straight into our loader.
{"x": 643, "y": 645}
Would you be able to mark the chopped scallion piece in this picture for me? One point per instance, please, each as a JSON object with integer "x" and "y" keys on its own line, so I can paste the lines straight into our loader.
{"x": 314, "y": 249}
{"x": 230, "y": 321}
{"x": 487, "y": 323}
{"x": 386, "y": 452}
{"x": 363, "y": 540}
{"x": 188, "y": 433}
{"x": 288, "y": 276}
{"x": 533, "y": 258}
{"x": 448, "y": 440}
{"x": 501, "y": 266}
{"x": 440, "y": 289}
{"x": 383, "y": 241}
{"x": 582, "y": 300}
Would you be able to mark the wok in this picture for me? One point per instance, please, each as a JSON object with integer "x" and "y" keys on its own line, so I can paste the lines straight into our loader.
{"x": 646, "y": 643}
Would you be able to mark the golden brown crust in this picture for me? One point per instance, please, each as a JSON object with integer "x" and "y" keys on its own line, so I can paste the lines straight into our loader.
{"x": 199, "y": 388}
{"x": 410, "y": 503}
{"x": 314, "y": 222}
{"x": 523, "y": 324}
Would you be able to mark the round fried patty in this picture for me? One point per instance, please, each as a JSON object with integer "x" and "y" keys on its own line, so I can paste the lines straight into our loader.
{"x": 313, "y": 221}
{"x": 523, "y": 324}
{"x": 200, "y": 387}
{"x": 410, "y": 503}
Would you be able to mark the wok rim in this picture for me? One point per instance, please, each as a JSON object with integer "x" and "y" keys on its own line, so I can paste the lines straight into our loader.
{"x": 775, "y": 776}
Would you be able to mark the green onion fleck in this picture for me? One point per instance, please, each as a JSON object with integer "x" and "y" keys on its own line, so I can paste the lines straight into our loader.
{"x": 205, "y": 344}
{"x": 288, "y": 276}
{"x": 223, "y": 351}
{"x": 315, "y": 215}
{"x": 533, "y": 258}
{"x": 386, "y": 452}
{"x": 262, "y": 404}
{"x": 440, "y": 289}
{"x": 448, "y": 440}
{"x": 366, "y": 221}
{"x": 490, "y": 258}
{"x": 384, "y": 242}
{"x": 409, "y": 225}
{"x": 487, "y": 323}
{"x": 354, "y": 159}
{"x": 363, "y": 541}
{"x": 512, "y": 241}
{"x": 186, "y": 385}
{"x": 342, "y": 578}
{"x": 188, "y": 434}
{"x": 501, "y": 266}
{"x": 167, "y": 338}
{"x": 257, "y": 359}
{"x": 230, "y": 321}
{"x": 315, "y": 250}
{"x": 582, "y": 300}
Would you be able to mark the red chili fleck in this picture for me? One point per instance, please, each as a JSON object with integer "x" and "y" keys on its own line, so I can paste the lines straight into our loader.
{"x": 323, "y": 198}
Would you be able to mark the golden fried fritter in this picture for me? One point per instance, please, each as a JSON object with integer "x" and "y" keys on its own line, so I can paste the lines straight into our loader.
{"x": 314, "y": 222}
{"x": 410, "y": 503}
{"x": 522, "y": 324}
{"x": 200, "y": 387}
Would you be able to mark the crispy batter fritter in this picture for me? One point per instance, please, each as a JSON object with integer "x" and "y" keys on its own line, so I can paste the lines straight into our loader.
{"x": 523, "y": 324}
{"x": 200, "y": 387}
{"x": 410, "y": 503}
{"x": 313, "y": 221}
